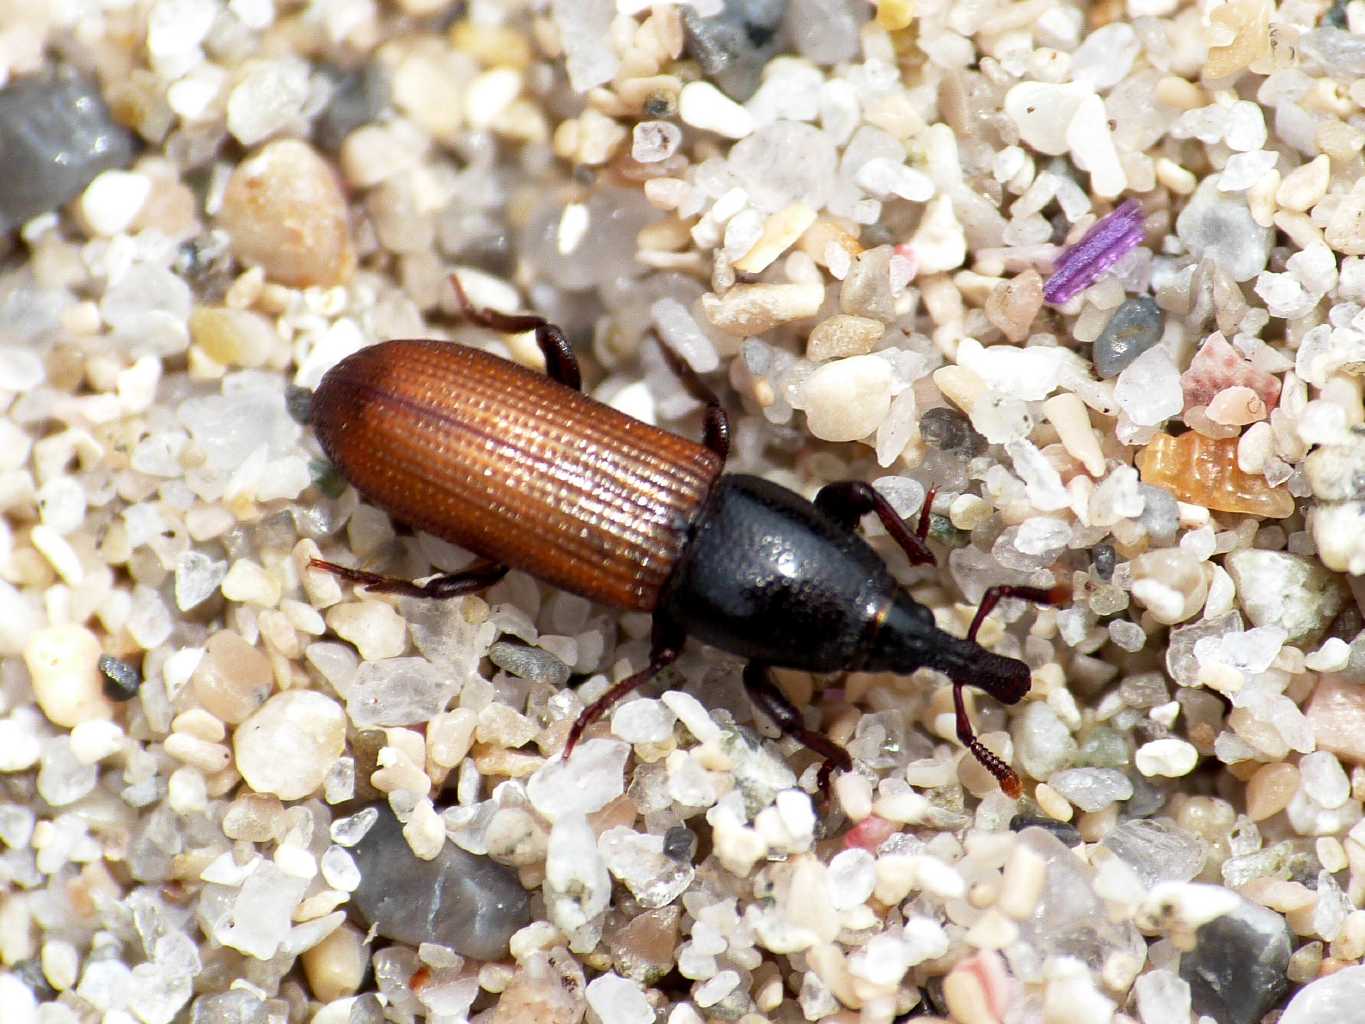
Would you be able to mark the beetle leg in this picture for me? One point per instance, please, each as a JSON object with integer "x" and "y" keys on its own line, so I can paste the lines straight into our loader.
{"x": 847, "y": 501}
{"x": 993, "y": 595}
{"x": 480, "y": 576}
{"x": 560, "y": 362}
{"x": 1009, "y": 781}
{"x": 716, "y": 423}
{"x": 785, "y": 715}
{"x": 667, "y": 645}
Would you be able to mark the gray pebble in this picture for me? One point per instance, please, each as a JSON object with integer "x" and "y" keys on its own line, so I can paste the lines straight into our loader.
{"x": 827, "y": 31}
{"x": 56, "y": 135}
{"x": 529, "y": 663}
{"x": 459, "y": 899}
{"x": 1134, "y": 328}
{"x": 733, "y": 46}
{"x": 1236, "y": 969}
{"x": 1160, "y": 513}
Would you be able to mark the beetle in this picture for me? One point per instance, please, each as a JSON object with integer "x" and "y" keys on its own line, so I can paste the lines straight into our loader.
{"x": 527, "y": 472}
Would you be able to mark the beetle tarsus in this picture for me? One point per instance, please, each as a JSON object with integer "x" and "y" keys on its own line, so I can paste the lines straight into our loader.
{"x": 847, "y": 501}
{"x": 785, "y": 715}
{"x": 561, "y": 363}
{"x": 456, "y": 584}
{"x": 1004, "y": 774}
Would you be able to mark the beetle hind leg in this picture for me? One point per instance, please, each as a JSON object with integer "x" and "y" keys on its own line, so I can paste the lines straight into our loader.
{"x": 787, "y": 717}
{"x": 560, "y": 362}
{"x": 479, "y": 576}
{"x": 667, "y": 645}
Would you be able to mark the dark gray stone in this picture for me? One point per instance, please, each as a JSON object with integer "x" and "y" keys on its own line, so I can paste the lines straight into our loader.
{"x": 1068, "y": 834}
{"x": 529, "y": 663}
{"x": 56, "y": 134}
{"x": 460, "y": 900}
{"x": 949, "y": 430}
{"x": 358, "y": 98}
{"x": 1236, "y": 970}
{"x": 733, "y": 46}
{"x": 1134, "y": 328}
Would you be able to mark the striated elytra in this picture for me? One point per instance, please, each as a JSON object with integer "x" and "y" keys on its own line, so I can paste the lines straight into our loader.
{"x": 527, "y": 472}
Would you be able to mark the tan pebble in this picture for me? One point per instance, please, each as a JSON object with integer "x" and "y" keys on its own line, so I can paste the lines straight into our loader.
{"x": 234, "y": 337}
{"x": 1022, "y": 884}
{"x": 288, "y": 746}
{"x": 1176, "y": 178}
{"x": 1068, "y": 414}
{"x": 425, "y": 831}
{"x": 512, "y": 764}
{"x": 63, "y": 664}
{"x": 1345, "y": 230}
{"x": 960, "y": 386}
{"x": 1012, "y": 305}
{"x": 1236, "y": 406}
{"x": 233, "y": 678}
{"x": 754, "y": 308}
{"x": 207, "y": 757}
{"x": 246, "y": 581}
{"x": 450, "y": 735}
{"x": 1180, "y": 93}
{"x": 254, "y": 817}
{"x": 1304, "y": 186}
{"x": 1261, "y": 198}
{"x": 1052, "y": 803}
{"x": 336, "y": 966}
{"x": 779, "y": 232}
{"x": 966, "y": 998}
{"x": 500, "y": 724}
{"x": 939, "y": 243}
{"x": 374, "y": 627}
{"x": 843, "y": 335}
{"x": 284, "y": 210}
{"x": 198, "y": 722}
{"x": 1336, "y": 712}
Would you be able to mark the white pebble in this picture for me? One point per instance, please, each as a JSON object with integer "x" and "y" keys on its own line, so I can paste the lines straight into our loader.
{"x": 288, "y": 745}
{"x": 615, "y": 1000}
{"x": 704, "y": 106}
{"x": 643, "y": 721}
{"x": 20, "y": 747}
{"x": 847, "y": 399}
{"x": 96, "y": 739}
{"x": 1170, "y": 758}
{"x": 693, "y": 715}
{"x": 376, "y": 630}
{"x": 652, "y": 141}
{"x": 852, "y": 877}
{"x": 112, "y": 201}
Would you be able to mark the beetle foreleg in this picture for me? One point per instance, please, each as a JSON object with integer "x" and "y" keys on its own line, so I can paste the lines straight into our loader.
{"x": 716, "y": 422}
{"x": 1009, "y": 781}
{"x": 847, "y": 501}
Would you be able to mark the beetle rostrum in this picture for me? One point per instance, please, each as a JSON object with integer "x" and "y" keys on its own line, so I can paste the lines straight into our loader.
{"x": 527, "y": 472}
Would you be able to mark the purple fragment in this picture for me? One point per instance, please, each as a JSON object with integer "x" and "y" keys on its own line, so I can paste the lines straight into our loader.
{"x": 1111, "y": 238}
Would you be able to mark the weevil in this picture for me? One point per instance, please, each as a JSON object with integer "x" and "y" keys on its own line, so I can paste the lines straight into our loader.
{"x": 525, "y": 471}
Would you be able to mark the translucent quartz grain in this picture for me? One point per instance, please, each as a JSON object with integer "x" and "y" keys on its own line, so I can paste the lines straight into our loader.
{"x": 1203, "y": 471}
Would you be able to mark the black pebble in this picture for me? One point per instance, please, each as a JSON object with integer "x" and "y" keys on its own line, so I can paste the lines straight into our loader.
{"x": 121, "y": 680}
{"x": 680, "y": 844}
{"x": 1103, "y": 558}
